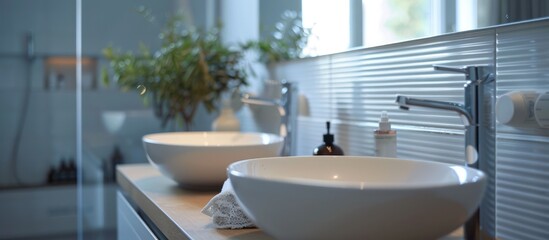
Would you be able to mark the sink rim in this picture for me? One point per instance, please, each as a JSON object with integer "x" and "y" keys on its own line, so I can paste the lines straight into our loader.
{"x": 295, "y": 210}
{"x": 475, "y": 175}
{"x": 269, "y": 138}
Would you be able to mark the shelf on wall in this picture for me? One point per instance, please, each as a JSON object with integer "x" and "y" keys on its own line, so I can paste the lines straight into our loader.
{"x": 60, "y": 73}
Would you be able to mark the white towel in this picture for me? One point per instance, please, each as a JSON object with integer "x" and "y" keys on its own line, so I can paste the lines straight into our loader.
{"x": 225, "y": 211}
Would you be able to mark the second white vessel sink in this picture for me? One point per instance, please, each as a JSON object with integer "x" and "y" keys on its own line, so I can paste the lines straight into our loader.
{"x": 356, "y": 197}
{"x": 198, "y": 160}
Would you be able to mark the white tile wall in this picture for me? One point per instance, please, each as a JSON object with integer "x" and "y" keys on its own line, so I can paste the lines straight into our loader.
{"x": 522, "y": 154}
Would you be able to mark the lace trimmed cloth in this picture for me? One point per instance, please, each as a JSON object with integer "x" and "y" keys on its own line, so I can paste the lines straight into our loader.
{"x": 225, "y": 211}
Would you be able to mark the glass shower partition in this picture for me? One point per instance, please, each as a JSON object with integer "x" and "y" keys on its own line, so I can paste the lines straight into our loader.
{"x": 112, "y": 120}
{"x": 50, "y": 89}
{"x": 37, "y": 104}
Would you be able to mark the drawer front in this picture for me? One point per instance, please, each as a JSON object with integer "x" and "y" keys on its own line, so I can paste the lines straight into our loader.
{"x": 130, "y": 224}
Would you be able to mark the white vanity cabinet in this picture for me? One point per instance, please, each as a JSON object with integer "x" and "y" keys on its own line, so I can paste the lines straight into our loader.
{"x": 151, "y": 206}
{"x": 130, "y": 224}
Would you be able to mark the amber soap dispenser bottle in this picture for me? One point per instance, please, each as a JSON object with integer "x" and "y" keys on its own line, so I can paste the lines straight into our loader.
{"x": 328, "y": 148}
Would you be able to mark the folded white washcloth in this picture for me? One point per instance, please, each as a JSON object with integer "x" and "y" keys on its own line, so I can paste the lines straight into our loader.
{"x": 225, "y": 211}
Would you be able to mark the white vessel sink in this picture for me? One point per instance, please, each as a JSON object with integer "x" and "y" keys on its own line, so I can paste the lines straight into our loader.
{"x": 198, "y": 160}
{"x": 356, "y": 197}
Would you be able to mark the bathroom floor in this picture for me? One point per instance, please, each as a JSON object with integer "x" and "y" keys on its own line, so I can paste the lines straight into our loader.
{"x": 98, "y": 235}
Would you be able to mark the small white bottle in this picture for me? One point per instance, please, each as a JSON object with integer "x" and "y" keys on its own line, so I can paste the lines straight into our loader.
{"x": 227, "y": 120}
{"x": 385, "y": 138}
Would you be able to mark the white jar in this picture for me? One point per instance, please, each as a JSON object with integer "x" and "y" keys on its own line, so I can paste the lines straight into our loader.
{"x": 227, "y": 120}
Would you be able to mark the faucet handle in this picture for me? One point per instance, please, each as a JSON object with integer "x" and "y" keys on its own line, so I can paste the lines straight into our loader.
{"x": 472, "y": 73}
{"x": 450, "y": 69}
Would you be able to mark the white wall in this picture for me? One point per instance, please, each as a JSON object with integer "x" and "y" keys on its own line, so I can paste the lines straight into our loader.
{"x": 240, "y": 20}
{"x": 53, "y": 31}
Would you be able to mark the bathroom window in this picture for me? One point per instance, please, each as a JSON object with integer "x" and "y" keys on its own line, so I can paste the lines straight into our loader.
{"x": 330, "y": 24}
{"x": 334, "y": 22}
{"x": 388, "y": 21}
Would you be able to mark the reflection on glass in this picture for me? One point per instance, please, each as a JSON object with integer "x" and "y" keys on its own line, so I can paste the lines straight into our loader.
{"x": 141, "y": 89}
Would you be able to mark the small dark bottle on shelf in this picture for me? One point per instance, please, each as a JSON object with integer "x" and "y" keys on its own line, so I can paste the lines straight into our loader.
{"x": 328, "y": 148}
{"x": 52, "y": 175}
{"x": 72, "y": 171}
{"x": 63, "y": 173}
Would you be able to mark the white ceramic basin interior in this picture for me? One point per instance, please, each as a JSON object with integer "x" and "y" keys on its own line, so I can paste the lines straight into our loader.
{"x": 198, "y": 160}
{"x": 356, "y": 197}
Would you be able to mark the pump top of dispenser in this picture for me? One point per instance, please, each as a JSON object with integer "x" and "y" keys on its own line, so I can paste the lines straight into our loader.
{"x": 328, "y": 137}
{"x": 384, "y": 124}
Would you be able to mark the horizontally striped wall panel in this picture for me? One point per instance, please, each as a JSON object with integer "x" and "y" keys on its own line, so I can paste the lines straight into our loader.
{"x": 356, "y": 86}
{"x": 522, "y": 154}
{"x": 312, "y": 76}
{"x": 487, "y": 156}
{"x": 365, "y": 82}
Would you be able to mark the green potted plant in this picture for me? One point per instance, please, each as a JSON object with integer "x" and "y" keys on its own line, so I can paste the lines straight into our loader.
{"x": 191, "y": 68}
{"x": 194, "y": 68}
{"x": 286, "y": 41}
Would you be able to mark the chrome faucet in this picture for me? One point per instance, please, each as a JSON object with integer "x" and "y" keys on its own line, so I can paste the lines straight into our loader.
{"x": 287, "y": 109}
{"x": 477, "y": 77}
{"x": 405, "y": 102}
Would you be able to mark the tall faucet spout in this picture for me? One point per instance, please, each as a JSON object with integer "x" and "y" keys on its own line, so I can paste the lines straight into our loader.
{"x": 474, "y": 93}
{"x": 286, "y": 109}
{"x": 405, "y": 103}
{"x": 249, "y": 99}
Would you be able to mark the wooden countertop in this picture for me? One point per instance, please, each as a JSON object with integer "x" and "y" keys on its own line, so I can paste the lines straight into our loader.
{"x": 176, "y": 212}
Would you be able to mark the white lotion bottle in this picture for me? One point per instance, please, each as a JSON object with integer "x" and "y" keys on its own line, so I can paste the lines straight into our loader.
{"x": 227, "y": 120}
{"x": 385, "y": 138}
